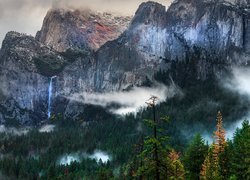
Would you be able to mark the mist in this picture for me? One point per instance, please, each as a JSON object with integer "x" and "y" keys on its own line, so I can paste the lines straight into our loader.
{"x": 100, "y": 155}
{"x": 14, "y": 131}
{"x": 47, "y": 128}
{"x": 240, "y": 84}
{"x": 97, "y": 155}
{"x": 129, "y": 101}
{"x": 26, "y": 16}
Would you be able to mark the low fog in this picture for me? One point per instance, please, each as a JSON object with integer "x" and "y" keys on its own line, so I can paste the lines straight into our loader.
{"x": 129, "y": 101}
{"x": 240, "y": 84}
{"x": 47, "y": 128}
{"x": 97, "y": 155}
{"x": 14, "y": 131}
{"x": 26, "y": 16}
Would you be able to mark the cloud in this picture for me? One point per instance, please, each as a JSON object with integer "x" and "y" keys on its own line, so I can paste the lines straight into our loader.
{"x": 100, "y": 155}
{"x": 129, "y": 101}
{"x": 240, "y": 82}
{"x": 14, "y": 131}
{"x": 230, "y": 130}
{"x": 67, "y": 159}
{"x": 47, "y": 128}
{"x": 127, "y": 7}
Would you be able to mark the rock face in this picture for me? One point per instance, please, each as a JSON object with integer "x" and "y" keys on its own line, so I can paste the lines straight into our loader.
{"x": 216, "y": 33}
{"x": 23, "y": 89}
{"x": 64, "y": 29}
{"x": 192, "y": 39}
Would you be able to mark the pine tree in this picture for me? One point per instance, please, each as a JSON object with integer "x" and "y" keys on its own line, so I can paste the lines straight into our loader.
{"x": 220, "y": 136}
{"x": 241, "y": 152}
{"x": 176, "y": 167}
{"x": 206, "y": 168}
{"x": 155, "y": 162}
{"x": 214, "y": 164}
{"x": 219, "y": 147}
{"x": 195, "y": 156}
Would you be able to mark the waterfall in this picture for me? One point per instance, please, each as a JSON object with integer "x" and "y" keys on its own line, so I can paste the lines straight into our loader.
{"x": 49, "y": 95}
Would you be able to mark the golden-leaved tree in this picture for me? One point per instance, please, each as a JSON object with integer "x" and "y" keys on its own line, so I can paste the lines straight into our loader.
{"x": 214, "y": 163}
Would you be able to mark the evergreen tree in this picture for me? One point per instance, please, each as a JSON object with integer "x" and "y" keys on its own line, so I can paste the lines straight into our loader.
{"x": 219, "y": 154}
{"x": 241, "y": 152}
{"x": 214, "y": 164}
{"x": 194, "y": 157}
{"x": 220, "y": 136}
{"x": 206, "y": 168}
{"x": 225, "y": 161}
{"x": 156, "y": 163}
{"x": 177, "y": 170}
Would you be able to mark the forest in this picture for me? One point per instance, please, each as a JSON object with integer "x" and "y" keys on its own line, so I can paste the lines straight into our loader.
{"x": 147, "y": 148}
{"x": 163, "y": 141}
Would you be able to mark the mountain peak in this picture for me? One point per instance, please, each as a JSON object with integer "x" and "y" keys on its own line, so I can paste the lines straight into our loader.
{"x": 80, "y": 29}
{"x": 149, "y": 12}
{"x": 11, "y": 36}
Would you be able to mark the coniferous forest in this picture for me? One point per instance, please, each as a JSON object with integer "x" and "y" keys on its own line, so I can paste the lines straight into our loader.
{"x": 153, "y": 150}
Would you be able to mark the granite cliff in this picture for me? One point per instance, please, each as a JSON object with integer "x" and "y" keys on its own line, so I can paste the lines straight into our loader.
{"x": 83, "y": 51}
{"x": 80, "y": 29}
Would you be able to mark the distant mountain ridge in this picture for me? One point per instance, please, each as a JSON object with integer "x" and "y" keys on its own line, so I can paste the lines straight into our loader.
{"x": 80, "y": 29}
{"x": 89, "y": 52}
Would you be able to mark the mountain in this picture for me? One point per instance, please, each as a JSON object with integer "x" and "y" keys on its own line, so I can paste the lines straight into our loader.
{"x": 87, "y": 52}
{"x": 63, "y": 29}
{"x": 213, "y": 30}
{"x": 23, "y": 89}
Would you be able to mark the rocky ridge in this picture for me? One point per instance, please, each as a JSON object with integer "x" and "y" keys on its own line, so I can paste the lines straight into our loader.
{"x": 80, "y": 29}
{"x": 191, "y": 40}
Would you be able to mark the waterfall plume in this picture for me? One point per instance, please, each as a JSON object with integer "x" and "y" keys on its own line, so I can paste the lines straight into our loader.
{"x": 49, "y": 95}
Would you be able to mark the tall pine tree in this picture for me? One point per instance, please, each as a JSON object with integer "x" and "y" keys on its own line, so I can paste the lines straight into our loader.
{"x": 241, "y": 152}
{"x": 214, "y": 164}
{"x": 194, "y": 157}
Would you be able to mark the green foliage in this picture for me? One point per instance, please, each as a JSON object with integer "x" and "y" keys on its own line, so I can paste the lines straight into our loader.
{"x": 194, "y": 157}
{"x": 149, "y": 164}
{"x": 153, "y": 161}
{"x": 36, "y": 154}
{"x": 225, "y": 162}
{"x": 49, "y": 65}
{"x": 210, "y": 167}
{"x": 241, "y": 152}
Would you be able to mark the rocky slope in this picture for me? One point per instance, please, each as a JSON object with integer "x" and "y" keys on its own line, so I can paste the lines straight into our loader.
{"x": 192, "y": 40}
{"x": 216, "y": 32}
{"x": 64, "y": 29}
{"x": 23, "y": 90}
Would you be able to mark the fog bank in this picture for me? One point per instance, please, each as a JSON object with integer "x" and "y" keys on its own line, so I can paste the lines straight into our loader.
{"x": 129, "y": 101}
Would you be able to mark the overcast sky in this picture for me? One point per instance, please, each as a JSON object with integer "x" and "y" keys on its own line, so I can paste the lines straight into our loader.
{"x": 26, "y": 16}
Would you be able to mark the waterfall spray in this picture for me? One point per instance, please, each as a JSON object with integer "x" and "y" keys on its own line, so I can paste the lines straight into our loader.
{"x": 50, "y": 94}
